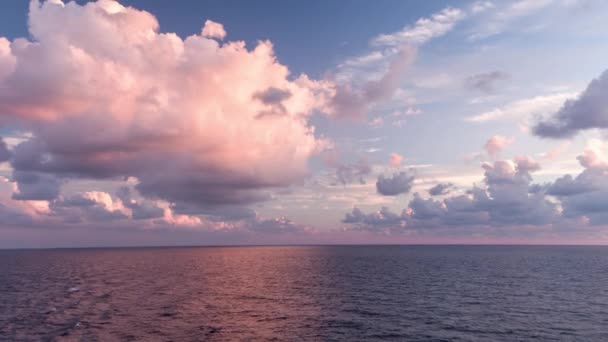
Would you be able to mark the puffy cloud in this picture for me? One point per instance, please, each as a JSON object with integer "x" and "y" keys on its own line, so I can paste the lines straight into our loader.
{"x": 486, "y": 82}
{"x": 395, "y": 159}
{"x": 91, "y": 206}
{"x": 441, "y": 189}
{"x": 376, "y": 221}
{"x": 398, "y": 183}
{"x": 585, "y": 195}
{"x": 213, "y": 30}
{"x": 506, "y": 200}
{"x": 496, "y": 144}
{"x": 588, "y": 110}
{"x": 106, "y": 95}
{"x": 140, "y": 209}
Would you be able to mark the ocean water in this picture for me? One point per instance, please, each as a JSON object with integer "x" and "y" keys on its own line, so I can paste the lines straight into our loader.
{"x": 338, "y": 293}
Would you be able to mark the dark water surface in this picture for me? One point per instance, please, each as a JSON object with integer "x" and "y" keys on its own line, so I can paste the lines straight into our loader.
{"x": 410, "y": 293}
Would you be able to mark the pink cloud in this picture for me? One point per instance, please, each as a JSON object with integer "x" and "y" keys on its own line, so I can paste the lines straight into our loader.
{"x": 496, "y": 144}
{"x": 106, "y": 94}
{"x": 395, "y": 159}
{"x": 213, "y": 30}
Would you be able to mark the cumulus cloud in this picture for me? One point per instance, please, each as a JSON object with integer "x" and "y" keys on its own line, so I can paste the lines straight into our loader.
{"x": 486, "y": 82}
{"x": 589, "y": 110}
{"x": 586, "y": 194}
{"x": 441, "y": 189}
{"x": 395, "y": 159}
{"x": 507, "y": 199}
{"x": 398, "y": 183}
{"x": 213, "y": 30}
{"x": 140, "y": 209}
{"x": 90, "y": 206}
{"x": 106, "y": 95}
{"x": 376, "y": 221}
{"x": 496, "y": 144}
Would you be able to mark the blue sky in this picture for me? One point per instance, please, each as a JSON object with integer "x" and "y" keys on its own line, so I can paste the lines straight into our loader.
{"x": 384, "y": 100}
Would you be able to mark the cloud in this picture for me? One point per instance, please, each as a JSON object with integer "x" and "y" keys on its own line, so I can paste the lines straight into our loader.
{"x": 347, "y": 173}
{"x": 589, "y": 110}
{"x": 140, "y": 209}
{"x": 90, "y": 206}
{"x": 5, "y": 154}
{"x": 273, "y": 98}
{"x": 423, "y": 30}
{"x": 391, "y": 55}
{"x": 279, "y": 225}
{"x": 507, "y": 199}
{"x": 376, "y": 221}
{"x": 395, "y": 159}
{"x": 586, "y": 194}
{"x": 398, "y": 183}
{"x": 441, "y": 189}
{"x": 501, "y": 18}
{"x": 35, "y": 186}
{"x": 496, "y": 144}
{"x": 107, "y": 96}
{"x": 523, "y": 109}
{"x": 486, "y": 82}
{"x": 481, "y": 6}
{"x": 213, "y": 30}
{"x": 352, "y": 102}
{"x": 350, "y": 173}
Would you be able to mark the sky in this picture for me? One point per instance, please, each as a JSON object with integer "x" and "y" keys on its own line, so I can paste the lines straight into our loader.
{"x": 139, "y": 123}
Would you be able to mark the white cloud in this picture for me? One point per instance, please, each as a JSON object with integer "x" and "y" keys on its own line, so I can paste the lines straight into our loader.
{"x": 423, "y": 30}
{"x": 524, "y": 108}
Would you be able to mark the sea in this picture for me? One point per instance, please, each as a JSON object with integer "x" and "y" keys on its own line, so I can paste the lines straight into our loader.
{"x": 305, "y": 293}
